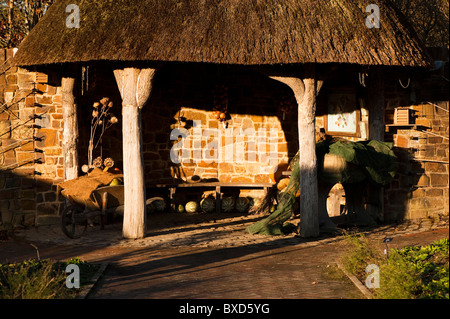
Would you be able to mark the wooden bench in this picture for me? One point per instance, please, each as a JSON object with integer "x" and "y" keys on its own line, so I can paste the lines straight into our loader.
{"x": 214, "y": 185}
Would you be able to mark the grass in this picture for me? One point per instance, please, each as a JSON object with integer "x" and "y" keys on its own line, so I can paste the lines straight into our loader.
{"x": 415, "y": 272}
{"x": 41, "y": 279}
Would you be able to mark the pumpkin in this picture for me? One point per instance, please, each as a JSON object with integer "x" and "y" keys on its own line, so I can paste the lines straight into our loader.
{"x": 150, "y": 208}
{"x": 191, "y": 207}
{"x": 160, "y": 205}
{"x": 282, "y": 184}
{"x": 180, "y": 208}
{"x": 227, "y": 204}
{"x": 115, "y": 182}
{"x": 255, "y": 202}
{"x": 207, "y": 204}
{"x": 242, "y": 204}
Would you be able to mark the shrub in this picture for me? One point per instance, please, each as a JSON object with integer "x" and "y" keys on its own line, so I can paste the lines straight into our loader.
{"x": 409, "y": 273}
{"x": 42, "y": 279}
{"x": 360, "y": 254}
{"x": 416, "y": 272}
{"x": 32, "y": 280}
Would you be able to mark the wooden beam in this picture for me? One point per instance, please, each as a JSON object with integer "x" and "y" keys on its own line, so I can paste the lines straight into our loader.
{"x": 376, "y": 105}
{"x": 70, "y": 129}
{"x": 309, "y": 221}
{"x": 305, "y": 89}
{"x": 135, "y": 87}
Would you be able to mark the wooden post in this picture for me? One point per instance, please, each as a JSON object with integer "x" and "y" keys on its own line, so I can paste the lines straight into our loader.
{"x": 135, "y": 88}
{"x": 305, "y": 91}
{"x": 9, "y": 35}
{"x": 309, "y": 221}
{"x": 218, "y": 199}
{"x": 376, "y": 107}
{"x": 70, "y": 129}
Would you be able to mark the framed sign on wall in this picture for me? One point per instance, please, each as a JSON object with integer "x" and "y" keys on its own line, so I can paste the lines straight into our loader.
{"x": 343, "y": 114}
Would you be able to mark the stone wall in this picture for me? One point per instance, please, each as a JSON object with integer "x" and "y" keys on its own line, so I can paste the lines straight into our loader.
{"x": 31, "y": 159}
{"x": 183, "y": 99}
{"x": 420, "y": 188}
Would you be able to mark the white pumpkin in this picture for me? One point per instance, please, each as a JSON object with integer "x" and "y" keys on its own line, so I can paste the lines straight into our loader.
{"x": 255, "y": 202}
{"x": 191, "y": 207}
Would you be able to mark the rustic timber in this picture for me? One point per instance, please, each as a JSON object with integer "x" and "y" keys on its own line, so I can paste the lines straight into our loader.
{"x": 135, "y": 88}
{"x": 376, "y": 105}
{"x": 306, "y": 88}
{"x": 70, "y": 130}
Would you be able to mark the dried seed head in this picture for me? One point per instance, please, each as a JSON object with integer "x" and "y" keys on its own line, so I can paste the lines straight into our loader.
{"x": 104, "y": 101}
{"x": 94, "y": 113}
{"x": 114, "y": 120}
{"x": 96, "y": 104}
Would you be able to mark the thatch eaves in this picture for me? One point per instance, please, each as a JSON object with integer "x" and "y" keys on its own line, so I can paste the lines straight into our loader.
{"x": 250, "y": 32}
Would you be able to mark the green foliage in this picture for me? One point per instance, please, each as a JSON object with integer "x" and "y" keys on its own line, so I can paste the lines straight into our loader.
{"x": 275, "y": 223}
{"x": 32, "y": 280}
{"x": 372, "y": 160}
{"x": 360, "y": 254}
{"x": 409, "y": 273}
{"x": 422, "y": 270}
{"x": 41, "y": 279}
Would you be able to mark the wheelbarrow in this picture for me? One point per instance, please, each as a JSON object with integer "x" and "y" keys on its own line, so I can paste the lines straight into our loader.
{"x": 103, "y": 201}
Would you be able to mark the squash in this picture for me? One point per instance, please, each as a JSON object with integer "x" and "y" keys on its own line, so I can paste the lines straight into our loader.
{"x": 191, "y": 207}
{"x": 227, "y": 204}
{"x": 242, "y": 204}
{"x": 207, "y": 204}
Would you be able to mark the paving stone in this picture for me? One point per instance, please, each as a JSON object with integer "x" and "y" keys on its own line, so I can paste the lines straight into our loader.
{"x": 210, "y": 258}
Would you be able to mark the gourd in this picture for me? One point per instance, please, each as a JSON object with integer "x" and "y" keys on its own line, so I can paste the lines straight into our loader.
{"x": 191, "y": 207}
{"x": 242, "y": 204}
{"x": 207, "y": 204}
{"x": 227, "y": 204}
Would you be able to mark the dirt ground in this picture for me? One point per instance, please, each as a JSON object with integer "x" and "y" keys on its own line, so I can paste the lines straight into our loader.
{"x": 163, "y": 230}
{"x": 211, "y": 256}
{"x": 203, "y": 230}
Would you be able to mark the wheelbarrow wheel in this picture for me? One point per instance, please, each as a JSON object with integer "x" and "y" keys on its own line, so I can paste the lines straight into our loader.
{"x": 73, "y": 222}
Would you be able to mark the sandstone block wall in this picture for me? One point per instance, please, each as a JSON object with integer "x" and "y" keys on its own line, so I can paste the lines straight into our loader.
{"x": 420, "y": 188}
{"x": 182, "y": 100}
{"x": 31, "y": 157}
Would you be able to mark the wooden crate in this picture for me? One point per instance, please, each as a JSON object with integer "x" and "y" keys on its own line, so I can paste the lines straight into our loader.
{"x": 404, "y": 116}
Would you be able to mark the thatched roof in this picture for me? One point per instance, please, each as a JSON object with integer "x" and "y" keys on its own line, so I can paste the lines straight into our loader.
{"x": 246, "y": 32}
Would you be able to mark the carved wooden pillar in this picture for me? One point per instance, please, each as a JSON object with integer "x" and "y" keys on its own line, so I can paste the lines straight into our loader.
{"x": 70, "y": 129}
{"x": 135, "y": 87}
{"x": 306, "y": 88}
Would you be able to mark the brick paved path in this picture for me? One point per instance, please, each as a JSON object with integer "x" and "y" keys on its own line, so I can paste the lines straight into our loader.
{"x": 256, "y": 271}
{"x": 212, "y": 259}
